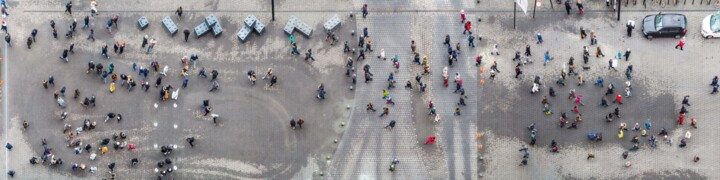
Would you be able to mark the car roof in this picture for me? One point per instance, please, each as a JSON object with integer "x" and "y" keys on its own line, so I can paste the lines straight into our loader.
{"x": 673, "y": 20}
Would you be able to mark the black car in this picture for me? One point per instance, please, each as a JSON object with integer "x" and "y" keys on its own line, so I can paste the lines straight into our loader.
{"x": 664, "y": 25}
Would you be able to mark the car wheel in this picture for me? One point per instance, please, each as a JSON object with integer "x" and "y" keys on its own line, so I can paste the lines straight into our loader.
{"x": 677, "y": 36}
{"x": 709, "y": 37}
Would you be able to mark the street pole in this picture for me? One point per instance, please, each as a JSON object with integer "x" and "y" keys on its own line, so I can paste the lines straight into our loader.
{"x": 534, "y": 6}
{"x": 618, "y": 5}
{"x": 551, "y": 5}
{"x": 514, "y": 14}
{"x": 272, "y": 5}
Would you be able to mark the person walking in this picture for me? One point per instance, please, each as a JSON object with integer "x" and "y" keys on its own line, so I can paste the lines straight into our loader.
{"x": 581, "y": 9}
{"x": 364, "y": 10}
{"x": 391, "y": 125}
{"x": 567, "y": 6}
{"x": 8, "y": 40}
{"x": 386, "y": 111}
{"x": 681, "y": 43}
{"x": 686, "y": 100}
{"x": 294, "y": 50}
{"x": 599, "y": 53}
{"x": 191, "y": 141}
{"x": 33, "y": 33}
{"x": 29, "y": 41}
{"x": 547, "y": 57}
{"x": 186, "y": 32}
{"x": 93, "y": 8}
{"x": 300, "y": 122}
{"x": 630, "y": 26}
{"x": 91, "y": 35}
{"x": 308, "y": 55}
{"x": 430, "y": 140}
{"x": 179, "y": 11}
{"x": 68, "y": 8}
{"x": 64, "y": 55}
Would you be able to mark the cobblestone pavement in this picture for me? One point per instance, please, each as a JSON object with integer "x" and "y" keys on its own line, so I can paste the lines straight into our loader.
{"x": 367, "y": 149}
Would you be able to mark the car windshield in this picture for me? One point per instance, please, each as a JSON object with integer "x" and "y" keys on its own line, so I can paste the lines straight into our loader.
{"x": 714, "y": 23}
{"x": 658, "y": 22}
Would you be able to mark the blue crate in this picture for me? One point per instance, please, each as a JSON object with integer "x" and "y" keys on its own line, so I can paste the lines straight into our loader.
{"x": 333, "y": 23}
{"x": 259, "y": 27}
{"x": 250, "y": 21}
{"x": 169, "y": 25}
{"x": 243, "y": 33}
{"x": 211, "y": 20}
{"x": 217, "y": 30}
{"x": 201, "y": 29}
{"x": 143, "y": 23}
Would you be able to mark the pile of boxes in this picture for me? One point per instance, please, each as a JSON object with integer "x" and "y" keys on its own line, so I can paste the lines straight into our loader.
{"x": 251, "y": 23}
{"x": 210, "y": 24}
{"x": 295, "y": 24}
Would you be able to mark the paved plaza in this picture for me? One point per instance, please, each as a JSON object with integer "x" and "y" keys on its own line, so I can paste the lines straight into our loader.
{"x": 341, "y": 138}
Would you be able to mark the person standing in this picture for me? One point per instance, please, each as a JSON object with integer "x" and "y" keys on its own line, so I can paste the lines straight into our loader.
{"x": 122, "y": 47}
{"x": 627, "y": 55}
{"x": 539, "y": 38}
{"x": 630, "y": 26}
{"x": 116, "y": 47}
{"x": 151, "y": 44}
{"x": 681, "y": 43}
{"x": 145, "y": 41}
